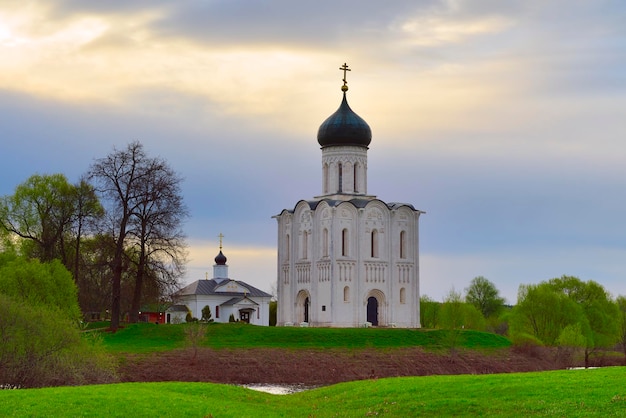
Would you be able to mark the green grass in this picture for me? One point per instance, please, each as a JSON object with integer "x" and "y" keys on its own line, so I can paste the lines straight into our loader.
{"x": 572, "y": 393}
{"x": 143, "y": 338}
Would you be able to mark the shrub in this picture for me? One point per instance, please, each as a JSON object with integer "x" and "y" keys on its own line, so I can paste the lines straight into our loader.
{"x": 38, "y": 284}
{"x": 231, "y": 318}
{"x": 195, "y": 334}
{"x": 206, "y": 314}
{"x": 527, "y": 344}
{"x": 39, "y": 346}
{"x": 190, "y": 318}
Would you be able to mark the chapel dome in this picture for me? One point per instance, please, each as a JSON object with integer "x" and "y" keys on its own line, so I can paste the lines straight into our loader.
{"x": 220, "y": 259}
{"x": 344, "y": 127}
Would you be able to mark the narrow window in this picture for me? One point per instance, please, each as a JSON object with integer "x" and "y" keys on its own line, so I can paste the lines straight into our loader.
{"x": 374, "y": 252}
{"x": 217, "y": 312}
{"x": 344, "y": 243}
{"x": 287, "y": 248}
{"x": 403, "y": 295}
{"x": 340, "y": 173}
{"x": 325, "y": 178}
{"x": 402, "y": 244}
{"x": 305, "y": 245}
{"x": 325, "y": 243}
{"x": 356, "y": 189}
{"x": 346, "y": 294}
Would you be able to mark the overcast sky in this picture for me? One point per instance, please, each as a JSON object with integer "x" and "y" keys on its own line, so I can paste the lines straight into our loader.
{"x": 504, "y": 120}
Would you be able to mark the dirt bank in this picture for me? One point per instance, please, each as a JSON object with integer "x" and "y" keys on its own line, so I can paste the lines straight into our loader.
{"x": 323, "y": 367}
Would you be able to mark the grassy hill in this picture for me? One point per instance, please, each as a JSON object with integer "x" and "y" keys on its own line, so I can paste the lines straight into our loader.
{"x": 142, "y": 338}
{"x": 572, "y": 393}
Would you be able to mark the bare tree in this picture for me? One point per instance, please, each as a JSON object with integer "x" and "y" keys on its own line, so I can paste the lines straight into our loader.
{"x": 156, "y": 232}
{"x": 137, "y": 190}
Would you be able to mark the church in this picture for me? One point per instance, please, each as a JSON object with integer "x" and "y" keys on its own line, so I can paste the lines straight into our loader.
{"x": 346, "y": 258}
{"x": 224, "y": 296}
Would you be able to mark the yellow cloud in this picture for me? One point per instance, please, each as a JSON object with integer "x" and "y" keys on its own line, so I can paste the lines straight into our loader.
{"x": 433, "y": 31}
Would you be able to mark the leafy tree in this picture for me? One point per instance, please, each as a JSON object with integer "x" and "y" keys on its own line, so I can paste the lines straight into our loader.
{"x": 621, "y": 304}
{"x": 484, "y": 296}
{"x": 543, "y": 313}
{"x": 451, "y": 314}
{"x": 429, "y": 312}
{"x": 136, "y": 189}
{"x": 598, "y": 308}
{"x": 39, "y": 212}
{"x": 206, "y": 314}
{"x": 451, "y": 317}
{"x": 472, "y": 317}
{"x": 571, "y": 341}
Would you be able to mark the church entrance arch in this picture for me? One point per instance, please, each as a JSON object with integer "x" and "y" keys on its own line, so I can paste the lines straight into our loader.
{"x": 303, "y": 304}
{"x": 372, "y": 310}
{"x": 375, "y": 311}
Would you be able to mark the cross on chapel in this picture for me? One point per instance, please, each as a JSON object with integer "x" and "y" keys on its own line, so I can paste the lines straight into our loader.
{"x": 344, "y": 68}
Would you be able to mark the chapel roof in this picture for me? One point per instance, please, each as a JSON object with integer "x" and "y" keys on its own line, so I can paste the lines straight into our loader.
{"x": 220, "y": 259}
{"x": 207, "y": 287}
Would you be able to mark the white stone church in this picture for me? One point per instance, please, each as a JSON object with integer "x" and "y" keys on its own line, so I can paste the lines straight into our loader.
{"x": 224, "y": 296}
{"x": 346, "y": 258}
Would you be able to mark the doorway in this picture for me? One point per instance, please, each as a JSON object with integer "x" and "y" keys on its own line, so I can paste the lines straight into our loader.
{"x": 372, "y": 310}
{"x": 306, "y": 310}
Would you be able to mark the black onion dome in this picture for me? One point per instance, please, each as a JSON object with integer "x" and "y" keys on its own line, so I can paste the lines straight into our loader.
{"x": 220, "y": 259}
{"x": 344, "y": 127}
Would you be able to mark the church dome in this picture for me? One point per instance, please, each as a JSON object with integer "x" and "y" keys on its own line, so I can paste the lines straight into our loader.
{"x": 344, "y": 127}
{"x": 220, "y": 259}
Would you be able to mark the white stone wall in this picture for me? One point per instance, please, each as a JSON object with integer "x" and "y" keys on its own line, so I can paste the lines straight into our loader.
{"x": 196, "y": 302}
{"x": 324, "y": 273}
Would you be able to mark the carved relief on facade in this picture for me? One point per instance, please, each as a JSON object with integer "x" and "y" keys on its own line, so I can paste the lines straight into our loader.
{"x": 375, "y": 272}
{"x": 323, "y": 271}
{"x": 346, "y": 270}
{"x": 404, "y": 272}
{"x": 374, "y": 214}
{"x": 303, "y": 272}
{"x": 305, "y": 217}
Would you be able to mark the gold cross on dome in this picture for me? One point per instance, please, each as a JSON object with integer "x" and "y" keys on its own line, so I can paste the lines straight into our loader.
{"x": 344, "y": 68}
{"x": 220, "y": 236}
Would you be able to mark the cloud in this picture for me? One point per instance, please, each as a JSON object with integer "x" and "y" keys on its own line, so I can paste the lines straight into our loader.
{"x": 502, "y": 120}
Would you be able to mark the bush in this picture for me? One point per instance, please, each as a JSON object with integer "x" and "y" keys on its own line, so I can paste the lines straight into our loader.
{"x": 527, "y": 344}
{"x": 39, "y": 346}
{"x": 38, "y": 284}
{"x": 206, "y": 314}
{"x": 231, "y": 318}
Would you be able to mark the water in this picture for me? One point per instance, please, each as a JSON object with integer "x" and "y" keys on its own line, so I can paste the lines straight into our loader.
{"x": 278, "y": 389}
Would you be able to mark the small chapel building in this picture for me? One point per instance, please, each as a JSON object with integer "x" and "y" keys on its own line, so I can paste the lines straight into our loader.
{"x": 346, "y": 258}
{"x": 225, "y": 297}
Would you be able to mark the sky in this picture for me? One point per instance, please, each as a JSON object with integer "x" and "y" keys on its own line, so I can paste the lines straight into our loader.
{"x": 504, "y": 121}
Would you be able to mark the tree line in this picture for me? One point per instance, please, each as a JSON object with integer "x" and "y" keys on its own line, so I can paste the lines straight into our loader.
{"x": 118, "y": 230}
{"x": 565, "y": 312}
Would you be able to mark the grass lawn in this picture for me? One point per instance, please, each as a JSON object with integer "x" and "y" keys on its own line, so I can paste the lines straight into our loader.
{"x": 143, "y": 338}
{"x": 571, "y": 393}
